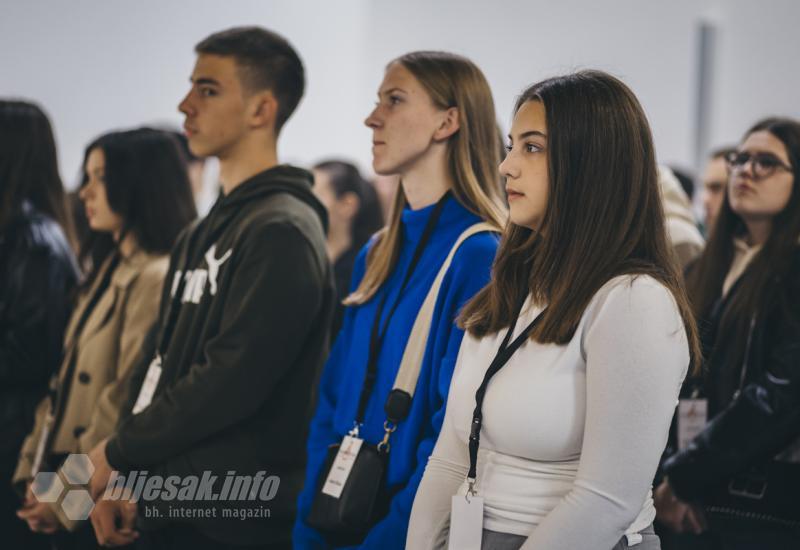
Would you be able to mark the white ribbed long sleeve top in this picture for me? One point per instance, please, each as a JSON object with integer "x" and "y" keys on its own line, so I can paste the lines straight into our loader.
{"x": 572, "y": 434}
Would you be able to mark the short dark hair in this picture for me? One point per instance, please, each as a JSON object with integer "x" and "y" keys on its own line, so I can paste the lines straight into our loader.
{"x": 686, "y": 180}
{"x": 266, "y": 61}
{"x": 722, "y": 152}
{"x": 147, "y": 186}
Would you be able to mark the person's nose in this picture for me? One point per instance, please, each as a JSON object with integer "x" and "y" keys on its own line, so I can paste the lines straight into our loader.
{"x": 508, "y": 167}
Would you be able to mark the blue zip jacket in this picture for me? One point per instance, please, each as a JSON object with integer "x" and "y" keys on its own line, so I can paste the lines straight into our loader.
{"x": 343, "y": 376}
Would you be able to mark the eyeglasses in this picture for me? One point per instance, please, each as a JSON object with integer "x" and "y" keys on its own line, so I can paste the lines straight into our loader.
{"x": 762, "y": 164}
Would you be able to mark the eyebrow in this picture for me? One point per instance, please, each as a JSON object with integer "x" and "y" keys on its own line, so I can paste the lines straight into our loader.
{"x": 390, "y": 90}
{"x": 529, "y": 133}
{"x": 204, "y": 80}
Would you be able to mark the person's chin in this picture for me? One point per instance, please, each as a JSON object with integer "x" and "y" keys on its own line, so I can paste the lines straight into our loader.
{"x": 523, "y": 220}
{"x": 383, "y": 168}
{"x": 200, "y": 149}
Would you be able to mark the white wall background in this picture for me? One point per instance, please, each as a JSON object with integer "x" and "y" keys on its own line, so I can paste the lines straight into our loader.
{"x": 96, "y": 65}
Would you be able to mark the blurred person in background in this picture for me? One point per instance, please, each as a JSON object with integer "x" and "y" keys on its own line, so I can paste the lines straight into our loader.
{"x": 686, "y": 180}
{"x": 354, "y": 215}
{"x": 137, "y": 199}
{"x": 38, "y": 273}
{"x": 735, "y": 470}
{"x": 684, "y": 236}
{"x": 715, "y": 182}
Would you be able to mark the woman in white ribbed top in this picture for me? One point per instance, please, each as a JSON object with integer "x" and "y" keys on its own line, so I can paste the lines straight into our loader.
{"x": 574, "y": 422}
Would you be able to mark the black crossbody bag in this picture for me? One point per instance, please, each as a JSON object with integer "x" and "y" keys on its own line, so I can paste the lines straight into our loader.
{"x": 365, "y": 496}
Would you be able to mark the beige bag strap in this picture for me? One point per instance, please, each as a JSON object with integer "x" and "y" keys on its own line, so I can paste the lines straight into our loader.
{"x": 411, "y": 363}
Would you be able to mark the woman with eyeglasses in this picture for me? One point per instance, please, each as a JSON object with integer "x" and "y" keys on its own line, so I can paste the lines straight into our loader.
{"x": 739, "y": 476}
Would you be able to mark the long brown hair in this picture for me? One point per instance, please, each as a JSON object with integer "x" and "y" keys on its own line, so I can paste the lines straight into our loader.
{"x": 29, "y": 166}
{"x": 604, "y": 215}
{"x": 774, "y": 260}
{"x": 472, "y": 156}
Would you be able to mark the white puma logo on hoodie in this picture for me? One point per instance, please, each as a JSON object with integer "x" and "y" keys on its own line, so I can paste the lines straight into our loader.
{"x": 196, "y": 279}
{"x": 214, "y": 265}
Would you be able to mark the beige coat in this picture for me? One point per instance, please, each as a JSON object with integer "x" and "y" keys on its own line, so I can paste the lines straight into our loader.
{"x": 105, "y": 350}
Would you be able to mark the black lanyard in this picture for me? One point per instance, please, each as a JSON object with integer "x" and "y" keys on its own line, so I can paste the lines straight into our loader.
{"x": 377, "y": 335}
{"x": 500, "y": 359}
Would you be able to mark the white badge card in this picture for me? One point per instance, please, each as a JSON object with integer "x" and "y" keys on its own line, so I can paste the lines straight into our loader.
{"x": 466, "y": 523}
{"x": 342, "y": 464}
{"x": 692, "y": 417}
{"x": 148, "y": 386}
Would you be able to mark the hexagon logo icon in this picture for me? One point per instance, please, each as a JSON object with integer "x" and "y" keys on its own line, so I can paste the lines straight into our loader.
{"x": 77, "y": 469}
{"x": 47, "y": 487}
{"x": 77, "y": 505}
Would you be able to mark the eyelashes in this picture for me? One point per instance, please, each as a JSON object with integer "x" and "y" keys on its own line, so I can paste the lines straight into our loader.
{"x": 529, "y": 148}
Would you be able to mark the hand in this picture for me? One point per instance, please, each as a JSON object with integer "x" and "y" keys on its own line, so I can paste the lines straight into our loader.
{"x": 695, "y": 520}
{"x": 30, "y": 498}
{"x": 114, "y": 521}
{"x": 674, "y": 513}
{"x": 102, "y": 470}
{"x": 39, "y": 516}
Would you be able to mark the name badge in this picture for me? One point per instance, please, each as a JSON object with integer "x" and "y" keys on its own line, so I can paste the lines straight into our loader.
{"x": 466, "y": 523}
{"x": 692, "y": 418}
{"x": 148, "y": 386}
{"x": 342, "y": 465}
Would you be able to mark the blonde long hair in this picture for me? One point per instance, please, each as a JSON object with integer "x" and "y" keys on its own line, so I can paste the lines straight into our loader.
{"x": 472, "y": 156}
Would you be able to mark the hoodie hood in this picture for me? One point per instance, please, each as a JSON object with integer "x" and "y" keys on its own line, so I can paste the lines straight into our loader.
{"x": 282, "y": 178}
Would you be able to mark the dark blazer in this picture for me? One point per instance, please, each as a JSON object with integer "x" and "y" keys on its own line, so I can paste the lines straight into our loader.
{"x": 753, "y": 424}
{"x": 37, "y": 275}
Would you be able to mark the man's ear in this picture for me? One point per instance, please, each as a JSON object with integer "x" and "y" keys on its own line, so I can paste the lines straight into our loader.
{"x": 349, "y": 203}
{"x": 263, "y": 109}
{"x": 449, "y": 125}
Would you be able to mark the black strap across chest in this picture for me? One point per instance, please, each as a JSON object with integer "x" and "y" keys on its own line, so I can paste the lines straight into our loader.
{"x": 378, "y": 332}
{"x": 502, "y": 357}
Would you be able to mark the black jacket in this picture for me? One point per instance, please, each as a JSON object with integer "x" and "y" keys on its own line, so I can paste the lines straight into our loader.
{"x": 249, "y": 338}
{"x": 750, "y": 426}
{"x": 37, "y": 276}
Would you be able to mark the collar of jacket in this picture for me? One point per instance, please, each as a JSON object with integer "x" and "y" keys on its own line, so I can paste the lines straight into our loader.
{"x": 130, "y": 266}
{"x": 127, "y": 270}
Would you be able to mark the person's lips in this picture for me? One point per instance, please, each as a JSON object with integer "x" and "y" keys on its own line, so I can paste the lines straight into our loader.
{"x": 513, "y": 194}
{"x": 189, "y": 130}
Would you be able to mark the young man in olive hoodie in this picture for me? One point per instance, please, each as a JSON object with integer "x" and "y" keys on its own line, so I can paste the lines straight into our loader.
{"x": 242, "y": 331}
